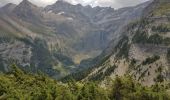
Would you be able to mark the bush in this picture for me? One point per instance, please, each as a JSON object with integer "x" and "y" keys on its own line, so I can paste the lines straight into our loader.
{"x": 161, "y": 28}
{"x": 168, "y": 55}
{"x": 127, "y": 89}
{"x": 150, "y": 60}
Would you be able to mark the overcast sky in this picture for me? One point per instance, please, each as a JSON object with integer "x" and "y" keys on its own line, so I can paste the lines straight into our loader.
{"x": 112, "y": 3}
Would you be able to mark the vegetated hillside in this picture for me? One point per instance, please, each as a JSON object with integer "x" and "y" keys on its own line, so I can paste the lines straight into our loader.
{"x": 56, "y": 38}
{"x": 18, "y": 84}
{"x": 142, "y": 52}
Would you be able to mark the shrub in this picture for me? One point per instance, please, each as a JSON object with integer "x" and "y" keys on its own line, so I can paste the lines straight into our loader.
{"x": 150, "y": 60}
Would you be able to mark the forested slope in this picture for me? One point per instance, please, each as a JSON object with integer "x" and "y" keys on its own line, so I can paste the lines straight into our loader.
{"x": 19, "y": 85}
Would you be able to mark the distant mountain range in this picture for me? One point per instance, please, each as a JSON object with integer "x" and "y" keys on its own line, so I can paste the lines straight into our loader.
{"x": 57, "y": 38}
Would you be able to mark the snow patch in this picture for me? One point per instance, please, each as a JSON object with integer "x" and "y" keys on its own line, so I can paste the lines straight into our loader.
{"x": 60, "y": 13}
{"x": 69, "y": 18}
{"x": 50, "y": 11}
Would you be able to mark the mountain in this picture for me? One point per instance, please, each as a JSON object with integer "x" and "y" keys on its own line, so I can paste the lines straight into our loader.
{"x": 95, "y": 26}
{"x": 28, "y": 11}
{"x": 55, "y": 39}
{"x": 142, "y": 51}
{"x": 27, "y": 41}
{"x": 8, "y": 8}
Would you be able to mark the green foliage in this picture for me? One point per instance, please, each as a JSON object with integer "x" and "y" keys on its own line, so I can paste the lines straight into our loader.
{"x": 91, "y": 91}
{"x": 168, "y": 55}
{"x": 83, "y": 73}
{"x": 161, "y": 28}
{"x": 110, "y": 70}
{"x": 22, "y": 86}
{"x": 160, "y": 77}
{"x": 77, "y": 76}
{"x": 140, "y": 37}
{"x": 123, "y": 48}
{"x": 2, "y": 68}
{"x": 144, "y": 22}
{"x": 150, "y": 60}
{"x": 64, "y": 59}
{"x": 18, "y": 85}
{"x": 5, "y": 39}
{"x": 163, "y": 8}
{"x": 155, "y": 39}
{"x": 127, "y": 89}
{"x": 27, "y": 41}
{"x": 41, "y": 59}
{"x": 133, "y": 63}
{"x": 166, "y": 41}
{"x": 121, "y": 88}
{"x": 100, "y": 75}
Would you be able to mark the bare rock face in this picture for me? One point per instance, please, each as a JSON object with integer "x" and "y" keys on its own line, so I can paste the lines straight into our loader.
{"x": 14, "y": 52}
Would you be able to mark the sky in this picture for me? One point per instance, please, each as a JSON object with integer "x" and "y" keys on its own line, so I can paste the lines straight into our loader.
{"x": 108, "y": 3}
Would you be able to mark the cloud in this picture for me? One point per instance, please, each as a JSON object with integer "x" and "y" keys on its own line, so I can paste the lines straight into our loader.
{"x": 3, "y": 2}
{"x": 43, "y": 2}
{"x": 112, "y": 3}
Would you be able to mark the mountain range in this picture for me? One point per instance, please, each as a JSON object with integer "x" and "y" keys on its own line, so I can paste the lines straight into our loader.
{"x": 94, "y": 42}
{"x": 62, "y": 38}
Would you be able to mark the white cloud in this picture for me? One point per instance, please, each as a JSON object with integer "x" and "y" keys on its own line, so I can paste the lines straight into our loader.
{"x": 112, "y": 3}
{"x": 43, "y": 2}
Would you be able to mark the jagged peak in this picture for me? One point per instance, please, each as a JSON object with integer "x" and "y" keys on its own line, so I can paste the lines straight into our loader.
{"x": 26, "y": 3}
{"x": 28, "y": 11}
{"x": 62, "y": 1}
